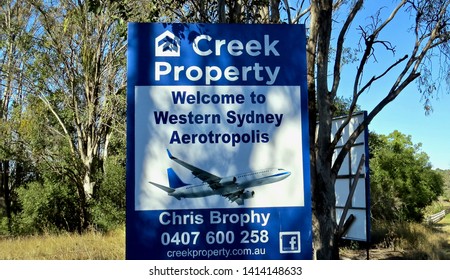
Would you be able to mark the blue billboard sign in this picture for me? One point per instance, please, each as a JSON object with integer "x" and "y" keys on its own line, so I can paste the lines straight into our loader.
{"x": 217, "y": 142}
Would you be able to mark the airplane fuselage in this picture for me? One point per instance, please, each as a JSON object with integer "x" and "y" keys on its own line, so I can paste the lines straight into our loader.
{"x": 232, "y": 187}
{"x": 234, "y": 184}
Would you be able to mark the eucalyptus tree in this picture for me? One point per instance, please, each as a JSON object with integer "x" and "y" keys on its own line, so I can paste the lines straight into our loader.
{"x": 343, "y": 33}
{"x": 221, "y": 11}
{"x": 81, "y": 80}
{"x": 330, "y": 35}
{"x": 17, "y": 28}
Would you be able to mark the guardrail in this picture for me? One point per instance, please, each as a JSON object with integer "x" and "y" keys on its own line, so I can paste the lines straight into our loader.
{"x": 435, "y": 217}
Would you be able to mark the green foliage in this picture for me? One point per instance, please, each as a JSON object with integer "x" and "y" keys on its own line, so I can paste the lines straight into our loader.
{"x": 62, "y": 118}
{"x": 435, "y": 207}
{"x": 108, "y": 208}
{"x": 446, "y": 176}
{"x": 50, "y": 206}
{"x": 342, "y": 105}
{"x": 4, "y": 226}
{"x": 402, "y": 181}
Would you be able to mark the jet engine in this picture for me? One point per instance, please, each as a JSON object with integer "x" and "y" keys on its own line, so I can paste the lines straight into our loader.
{"x": 228, "y": 180}
{"x": 247, "y": 195}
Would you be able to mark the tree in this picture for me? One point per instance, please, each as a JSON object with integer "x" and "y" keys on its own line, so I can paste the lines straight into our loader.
{"x": 329, "y": 49}
{"x": 446, "y": 176}
{"x": 222, "y": 11}
{"x": 429, "y": 26}
{"x": 402, "y": 181}
{"x": 80, "y": 78}
{"x": 78, "y": 81}
{"x": 17, "y": 29}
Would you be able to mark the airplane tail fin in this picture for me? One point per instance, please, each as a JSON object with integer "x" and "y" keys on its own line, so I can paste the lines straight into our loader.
{"x": 174, "y": 180}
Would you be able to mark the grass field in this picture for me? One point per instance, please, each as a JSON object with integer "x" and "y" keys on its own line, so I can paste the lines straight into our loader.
{"x": 410, "y": 241}
{"x": 414, "y": 241}
{"x": 89, "y": 246}
{"x": 444, "y": 225}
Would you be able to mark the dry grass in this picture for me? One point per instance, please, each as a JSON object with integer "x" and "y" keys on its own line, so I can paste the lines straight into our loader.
{"x": 409, "y": 241}
{"x": 423, "y": 242}
{"x": 89, "y": 246}
{"x": 403, "y": 241}
{"x": 444, "y": 226}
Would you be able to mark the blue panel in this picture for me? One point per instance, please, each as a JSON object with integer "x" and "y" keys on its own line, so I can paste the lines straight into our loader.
{"x": 230, "y": 103}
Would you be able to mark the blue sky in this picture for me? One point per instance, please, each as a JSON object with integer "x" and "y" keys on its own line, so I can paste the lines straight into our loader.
{"x": 406, "y": 113}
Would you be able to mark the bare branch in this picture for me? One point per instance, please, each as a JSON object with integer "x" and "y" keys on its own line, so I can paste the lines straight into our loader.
{"x": 338, "y": 133}
{"x": 288, "y": 10}
{"x": 375, "y": 78}
{"x": 340, "y": 46}
{"x": 300, "y": 14}
{"x": 390, "y": 18}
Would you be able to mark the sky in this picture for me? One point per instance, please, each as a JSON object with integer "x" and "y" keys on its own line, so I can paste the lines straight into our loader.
{"x": 406, "y": 113}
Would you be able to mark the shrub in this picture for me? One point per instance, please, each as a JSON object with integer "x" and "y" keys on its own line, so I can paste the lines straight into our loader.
{"x": 108, "y": 207}
{"x": 50, "y": 206}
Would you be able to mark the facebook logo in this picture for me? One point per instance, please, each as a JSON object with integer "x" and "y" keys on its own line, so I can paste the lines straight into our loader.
{"x": 290, "y": 242}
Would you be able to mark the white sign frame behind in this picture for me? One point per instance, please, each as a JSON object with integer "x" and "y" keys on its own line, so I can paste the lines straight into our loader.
{"x": 359, "y": 207}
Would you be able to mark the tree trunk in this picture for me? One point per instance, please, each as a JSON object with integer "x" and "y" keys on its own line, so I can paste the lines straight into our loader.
{"x": 324, "y": 217}
{"x": 236, "y": 14}
{"x": 4, "y": 187}
{"x": 320, "y": 98}
{"x": 83, "y": 221}
{"x": 274, "y": 11}
{"x": 88, "y": 185}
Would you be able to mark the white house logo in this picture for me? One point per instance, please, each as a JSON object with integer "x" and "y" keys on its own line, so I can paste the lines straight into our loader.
{"x": 167, "y": 44}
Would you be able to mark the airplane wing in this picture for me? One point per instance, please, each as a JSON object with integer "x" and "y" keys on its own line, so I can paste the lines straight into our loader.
{"x": 239, "y": 201}
{"x": 203, "y": 175}
{"x": 240, "y": 196}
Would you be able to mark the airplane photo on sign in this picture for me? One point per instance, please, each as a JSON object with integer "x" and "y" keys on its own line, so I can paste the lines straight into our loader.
{"x": 233, "y": 187}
